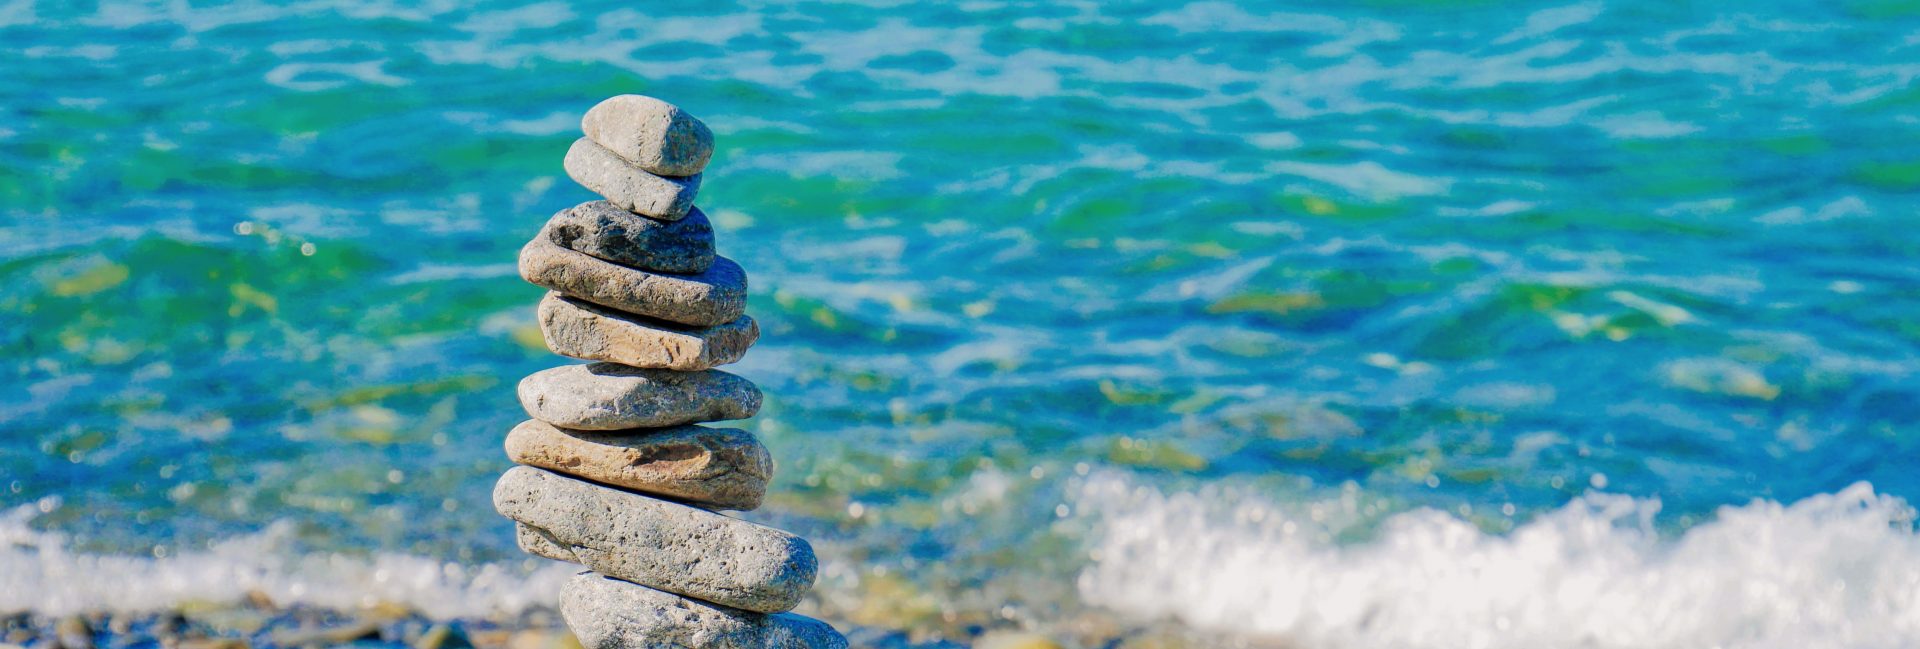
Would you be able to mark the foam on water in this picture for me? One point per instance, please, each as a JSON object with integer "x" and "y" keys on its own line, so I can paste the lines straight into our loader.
{"x": 43, "y": 573}
{"x": 1833, "y": 570}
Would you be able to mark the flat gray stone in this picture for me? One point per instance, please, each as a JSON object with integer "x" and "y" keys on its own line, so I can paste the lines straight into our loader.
{"x": 591, "y": 332}
{"x": 663, "y": 545}
{"x": 652, "y": 134}
{"x": 610, "y": 396}
{"x": 630, "y": 187}
{"x": 611, "y": 614}
{"x": 717, "y": 296}
{"x": 603, "y": 230}
{"x": 721, "y": 468}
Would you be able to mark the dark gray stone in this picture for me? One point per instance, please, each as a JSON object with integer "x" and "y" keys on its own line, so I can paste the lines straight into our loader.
{"x": 603, "y": 230}
{"x": 717, "y": 296}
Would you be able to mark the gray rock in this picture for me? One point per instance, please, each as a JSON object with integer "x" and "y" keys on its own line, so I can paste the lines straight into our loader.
{"x": 611, "y": 614}
{"x": 610, "y": 396}
{"x": 668, "y": 546}
{"x": 537, "y": 542}
{"x": 601, "y": 229}
{"x": 717, "y": 296}
{"x": 630, "y": 187}
{"x": 722, "y": 468}
{"x": 652, "y": 134}
{"x": 591, "y": 332}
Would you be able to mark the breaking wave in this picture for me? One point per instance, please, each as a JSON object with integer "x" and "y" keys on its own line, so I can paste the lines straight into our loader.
{"x": 1833, "y": 570}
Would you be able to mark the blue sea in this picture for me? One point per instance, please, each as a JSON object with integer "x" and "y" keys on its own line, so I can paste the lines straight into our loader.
{"x": 1391, "y": 323}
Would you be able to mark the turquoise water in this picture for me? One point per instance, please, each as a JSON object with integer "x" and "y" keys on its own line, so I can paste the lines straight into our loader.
{"x": 1276, "y": 320}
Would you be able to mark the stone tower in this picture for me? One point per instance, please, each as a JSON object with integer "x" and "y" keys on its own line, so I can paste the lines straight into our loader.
{"x": 615, "y": 474}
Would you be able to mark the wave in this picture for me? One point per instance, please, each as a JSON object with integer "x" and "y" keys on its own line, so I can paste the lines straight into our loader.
{"x": 1833, "y": 570}
{"x": 43, "y": 573}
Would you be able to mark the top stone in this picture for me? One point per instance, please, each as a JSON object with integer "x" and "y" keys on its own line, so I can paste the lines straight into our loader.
{"x": 652, "y": 134}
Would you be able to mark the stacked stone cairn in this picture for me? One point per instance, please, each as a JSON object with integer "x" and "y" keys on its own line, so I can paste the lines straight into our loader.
{"x": 616, "y": 476}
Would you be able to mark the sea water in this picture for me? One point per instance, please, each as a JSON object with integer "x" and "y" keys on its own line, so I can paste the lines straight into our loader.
{"x": 1449, "y": 324}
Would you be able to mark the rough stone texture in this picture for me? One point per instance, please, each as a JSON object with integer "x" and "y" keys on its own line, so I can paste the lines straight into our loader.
{"x": 601, "y": 229}
{"x": 538, "y": 543}
{"x": 717, "y": 296}
{"x": 591, "y": 332}
{"x": 723, "y": 468}
{"x": 630, "y": 187}
{"x": 663, "y": 545}
{"x": 610, "y": 396}
{"x": 652, "y": 134}
{"x": 611, "y": 614}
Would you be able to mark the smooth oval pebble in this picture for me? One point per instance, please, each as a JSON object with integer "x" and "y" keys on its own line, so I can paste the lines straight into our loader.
{"x": 630, "y": 187}
{"x": 723, "y": 468}
{"x": 652, "y": 134}
{"x": 603, "y": 230}
{"x": 591, "y": 332}
{"x": 607, "y": 613}
{"x": 611, "y": 396}
{"x": 665, "y": 545}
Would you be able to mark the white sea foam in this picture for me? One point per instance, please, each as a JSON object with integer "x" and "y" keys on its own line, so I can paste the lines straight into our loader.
{"x": 42, "y": 573}
{"x": 1835, "y": 570}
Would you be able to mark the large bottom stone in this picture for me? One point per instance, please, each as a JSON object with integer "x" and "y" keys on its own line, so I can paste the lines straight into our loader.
{"x": 668, "y": 546}
{"x": 611, "y": 614}
{"x": 717, "y": 467}
{"x": 592, "y": 332}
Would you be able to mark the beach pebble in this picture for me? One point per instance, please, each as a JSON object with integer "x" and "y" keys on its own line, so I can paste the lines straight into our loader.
{"x": 590, "y": 332}
{"x": 73, "y": 632}
{"x": 443, "y": 636}
{"x": 652, "y": 134}
{"x": 718, "y": 467}
{"x": 633, "y": 189}
{"x": 717, "y": 296}
{"x": 664, "y": 545}
{"x": 600, "y": 229}
{"x": 610, "y": 396}
{"x": 610, "y": 614}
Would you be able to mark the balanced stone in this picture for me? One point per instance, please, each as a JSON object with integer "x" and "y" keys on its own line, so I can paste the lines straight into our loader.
{"x": 611, "y": 614}
{"x": 610, "y": 396}
{"x": 601, "y": 229}
{"x": 591, "y": 332}
{"x": 668, "y": 546}
{"x": 717, "y": 296}
{"x": 630, "y": 187}
{"x": 722, "y": 468}
{"x": 652, "y": 134}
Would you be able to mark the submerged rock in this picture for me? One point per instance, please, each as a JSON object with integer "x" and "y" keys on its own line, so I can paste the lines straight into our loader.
{"x": 603, "y": 230}
{"x": 654, "y": 135}
{"x": 718, "y": 467}
{"x": 591, "y": 332}
{"x": 610, "y": 614}
{"x": 717, "y": 296}
{"x": 610, "y": 396}
{"x": 664, "y": 545}
{"x": 633, "y": 189}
